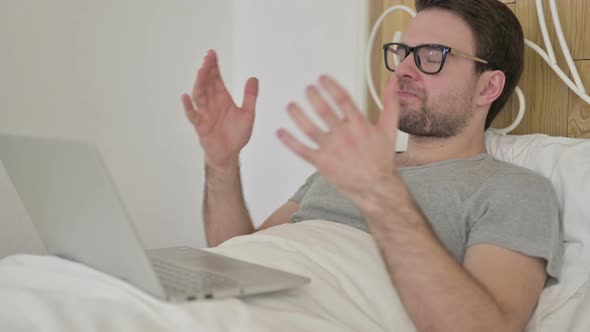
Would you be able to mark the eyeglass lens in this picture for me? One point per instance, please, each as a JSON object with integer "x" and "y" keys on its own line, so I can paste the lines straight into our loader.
{"x": 429, "y": 58}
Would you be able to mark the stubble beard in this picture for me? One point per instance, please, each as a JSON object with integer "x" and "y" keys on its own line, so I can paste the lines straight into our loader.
{"x": 444, "y": 117}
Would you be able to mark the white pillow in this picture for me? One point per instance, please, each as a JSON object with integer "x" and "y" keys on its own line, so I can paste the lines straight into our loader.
{"x": 566, "y": 162}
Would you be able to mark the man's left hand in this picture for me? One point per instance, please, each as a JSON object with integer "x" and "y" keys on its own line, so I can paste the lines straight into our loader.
{"x": 354, "y": 155}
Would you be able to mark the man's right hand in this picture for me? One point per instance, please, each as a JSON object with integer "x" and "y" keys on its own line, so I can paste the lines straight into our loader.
{"x": 223, "y": 128}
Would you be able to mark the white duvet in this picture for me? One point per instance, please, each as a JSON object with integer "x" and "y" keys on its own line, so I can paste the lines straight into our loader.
{"x": 350, "y": 290}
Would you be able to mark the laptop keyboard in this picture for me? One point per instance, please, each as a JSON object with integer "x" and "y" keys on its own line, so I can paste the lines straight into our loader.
{"x": 178, "y": 278}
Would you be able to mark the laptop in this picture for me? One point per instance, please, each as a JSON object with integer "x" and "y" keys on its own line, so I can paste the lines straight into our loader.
{"x": 73, "y": 203}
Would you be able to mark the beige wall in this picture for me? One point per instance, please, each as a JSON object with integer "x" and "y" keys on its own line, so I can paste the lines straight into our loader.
{"x": 112, "y": 72}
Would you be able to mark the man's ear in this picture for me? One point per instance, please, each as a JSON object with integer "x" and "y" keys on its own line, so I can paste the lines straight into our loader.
{"x": 490, "y": 87}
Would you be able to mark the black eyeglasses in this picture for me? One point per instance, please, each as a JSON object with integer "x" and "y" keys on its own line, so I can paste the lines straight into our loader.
{"x": 429, "y": 58}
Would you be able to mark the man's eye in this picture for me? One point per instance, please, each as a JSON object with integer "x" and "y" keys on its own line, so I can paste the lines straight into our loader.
{"x": 433, "y": 56}
{"x": 399, "y": 51}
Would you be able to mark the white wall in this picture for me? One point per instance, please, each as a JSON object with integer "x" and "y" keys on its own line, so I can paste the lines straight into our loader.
{"x": 112, "y": 72}
{"x": 287, "y": 45}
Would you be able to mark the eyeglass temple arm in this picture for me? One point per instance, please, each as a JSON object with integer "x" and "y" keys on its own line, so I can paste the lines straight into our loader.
{"x": 468, "y": 56}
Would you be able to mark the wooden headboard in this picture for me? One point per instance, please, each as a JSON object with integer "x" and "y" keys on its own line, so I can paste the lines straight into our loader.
{"x": 551, "y": 107}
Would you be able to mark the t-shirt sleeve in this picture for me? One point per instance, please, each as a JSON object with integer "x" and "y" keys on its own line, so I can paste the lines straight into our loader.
{"x": 520, "y": 212}
{"x": 298, "y": 196}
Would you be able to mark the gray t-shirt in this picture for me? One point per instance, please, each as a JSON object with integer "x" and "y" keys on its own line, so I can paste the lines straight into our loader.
{"x": 471, "y": 201}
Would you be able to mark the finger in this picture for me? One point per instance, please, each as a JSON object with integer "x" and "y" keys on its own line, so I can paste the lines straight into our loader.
{"x": 201, "y": 80}
{"x": 340, "y": 97}
{"x": 208, "y": 79}
{"x": 189, "y": 110}
{"x": 389, "y": 118}
{"x": 214, "y": 74}
{"x": 308, "y": 154}
{"x": 322, "y": 107}
{"x": 250, "y": 95}
{"x": 199, "y": 94}
{"x": 305, "y": 124}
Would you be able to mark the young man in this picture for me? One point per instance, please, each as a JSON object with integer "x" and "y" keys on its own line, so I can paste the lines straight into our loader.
{"x": 469, "y": 242}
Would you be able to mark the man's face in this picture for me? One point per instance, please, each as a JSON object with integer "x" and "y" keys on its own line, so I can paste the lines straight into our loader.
{"x": 439, "y": 105}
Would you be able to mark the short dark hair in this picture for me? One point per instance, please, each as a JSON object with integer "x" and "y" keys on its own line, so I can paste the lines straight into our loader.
{"x": 498, "y": 39}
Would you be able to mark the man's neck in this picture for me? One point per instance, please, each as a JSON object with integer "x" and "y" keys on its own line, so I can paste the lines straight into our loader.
{"x": 429, "y": 150}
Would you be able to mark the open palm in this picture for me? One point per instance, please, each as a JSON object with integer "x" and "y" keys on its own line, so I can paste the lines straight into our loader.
{"x": 223, "y": 127}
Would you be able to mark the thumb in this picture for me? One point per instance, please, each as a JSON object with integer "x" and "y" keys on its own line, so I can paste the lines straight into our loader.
{"x": 389, "y": 118}
{"x": 250, "y": 95}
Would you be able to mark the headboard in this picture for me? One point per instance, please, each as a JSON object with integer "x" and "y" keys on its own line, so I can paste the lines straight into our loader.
{"x": 551, "y": 107}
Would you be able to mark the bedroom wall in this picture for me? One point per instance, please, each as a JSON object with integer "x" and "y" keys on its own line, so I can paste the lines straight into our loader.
{"x": 112, "y": 72}
{"x": 287, "y": 45}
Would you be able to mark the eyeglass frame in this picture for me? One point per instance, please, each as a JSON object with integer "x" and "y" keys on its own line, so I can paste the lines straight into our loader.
{"x": 445, "y": 51}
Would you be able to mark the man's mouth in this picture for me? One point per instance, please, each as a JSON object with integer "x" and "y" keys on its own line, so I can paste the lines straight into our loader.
{"x": 406, "y": 94}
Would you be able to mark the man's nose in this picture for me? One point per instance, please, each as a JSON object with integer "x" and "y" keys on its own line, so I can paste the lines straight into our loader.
{"x": 407, "y": 68}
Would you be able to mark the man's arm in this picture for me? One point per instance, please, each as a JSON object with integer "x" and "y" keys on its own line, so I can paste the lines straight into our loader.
{"x": 224, "y": 209}
{"x": 281, "y": 216}
{"x": 495, "y": 290}
{"x": 223, "y": 129}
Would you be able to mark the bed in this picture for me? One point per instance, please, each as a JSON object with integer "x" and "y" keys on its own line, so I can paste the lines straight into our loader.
{"x": 350, "y": 289}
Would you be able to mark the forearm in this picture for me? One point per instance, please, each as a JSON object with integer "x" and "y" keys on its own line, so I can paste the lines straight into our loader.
{"x": 225, "y": 213}
{"x": 438, "y": 293}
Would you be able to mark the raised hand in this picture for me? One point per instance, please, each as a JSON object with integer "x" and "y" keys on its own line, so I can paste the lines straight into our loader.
{"x": 223, "y": 128}
{"x": 353, "y": 155}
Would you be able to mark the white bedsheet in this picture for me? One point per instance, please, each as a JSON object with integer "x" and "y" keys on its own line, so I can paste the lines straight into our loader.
{"x": 572, "y": 316}
{"x": 350, "y": 290}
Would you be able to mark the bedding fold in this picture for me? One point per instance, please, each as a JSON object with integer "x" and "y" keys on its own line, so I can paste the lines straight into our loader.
{"x": 350, "y": 290}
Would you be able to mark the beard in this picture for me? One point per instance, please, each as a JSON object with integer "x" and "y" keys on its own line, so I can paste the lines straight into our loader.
{"x": 443, "y": 117}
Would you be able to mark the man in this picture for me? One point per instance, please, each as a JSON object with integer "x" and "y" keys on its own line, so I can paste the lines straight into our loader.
{"x": 469, "y": 242}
